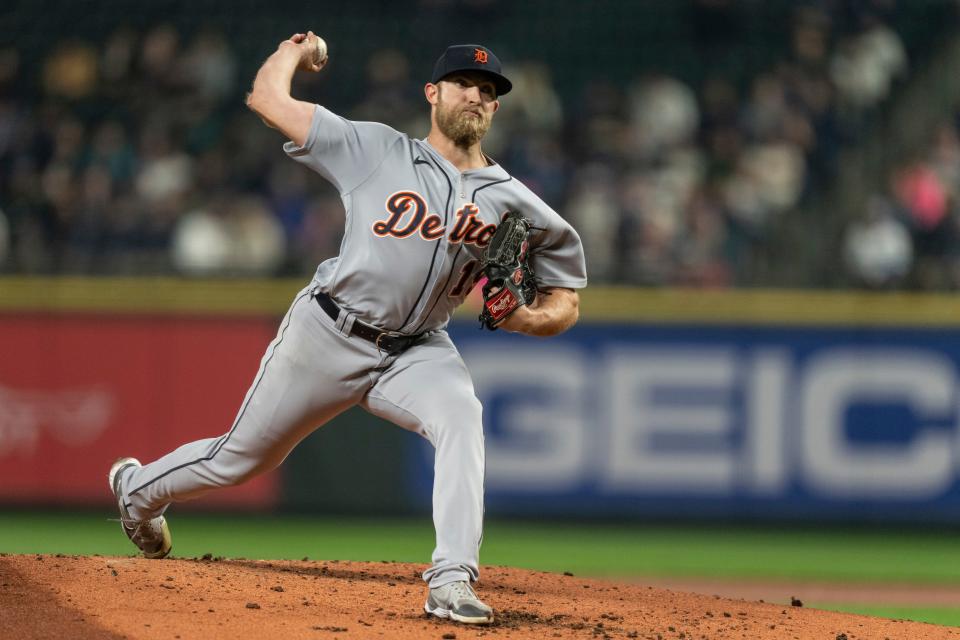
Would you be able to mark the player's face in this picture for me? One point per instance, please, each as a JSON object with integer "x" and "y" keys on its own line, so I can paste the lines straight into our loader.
{"x": 465, "y": 106}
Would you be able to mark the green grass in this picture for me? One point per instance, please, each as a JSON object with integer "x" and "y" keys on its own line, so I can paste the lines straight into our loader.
{"x": 633, "y": 550}
{"x": 593, "y": 549}
{"x": 808, "y": 554}
{"x": 232, "y": 536}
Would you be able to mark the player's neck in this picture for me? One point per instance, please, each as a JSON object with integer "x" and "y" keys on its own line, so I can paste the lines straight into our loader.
{"x": 463, "y": 158}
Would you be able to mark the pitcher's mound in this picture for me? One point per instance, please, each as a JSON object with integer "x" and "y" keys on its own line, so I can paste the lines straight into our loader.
{"x": 101, "y": 597}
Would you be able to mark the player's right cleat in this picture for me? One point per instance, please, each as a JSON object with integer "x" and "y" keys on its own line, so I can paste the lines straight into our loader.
{"x": 458, "y": 601}
{"x": 152, "y": 536}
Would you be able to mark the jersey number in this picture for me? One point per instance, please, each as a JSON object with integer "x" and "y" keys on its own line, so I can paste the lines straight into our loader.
{"x": 466, "y": 271}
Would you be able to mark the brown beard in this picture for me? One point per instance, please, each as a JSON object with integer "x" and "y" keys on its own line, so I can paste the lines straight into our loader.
{"x": 462, "y": 127}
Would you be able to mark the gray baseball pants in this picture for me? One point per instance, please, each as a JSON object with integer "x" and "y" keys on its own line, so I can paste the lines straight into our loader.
{"x": 312, "y": 371}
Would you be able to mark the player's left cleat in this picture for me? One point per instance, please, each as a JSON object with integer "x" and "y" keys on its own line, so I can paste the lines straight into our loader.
{"x": 151, "y": 536}
{"x": 457, "y": 601}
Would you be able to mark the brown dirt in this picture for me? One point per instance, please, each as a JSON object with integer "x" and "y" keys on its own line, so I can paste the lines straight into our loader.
{"x": 783, "y": 591}
{"x": 107, "y": 597}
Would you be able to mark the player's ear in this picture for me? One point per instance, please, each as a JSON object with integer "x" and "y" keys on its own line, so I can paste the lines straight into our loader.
{"x": 496, "y": 105}
{"x": 432, "y": 92}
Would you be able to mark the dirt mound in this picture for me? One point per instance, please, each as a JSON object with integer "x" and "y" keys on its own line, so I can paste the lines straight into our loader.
{"x": 106, "y": 597}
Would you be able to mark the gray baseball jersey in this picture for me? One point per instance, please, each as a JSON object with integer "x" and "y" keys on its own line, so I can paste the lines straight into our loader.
{"x": 415, "y": 227}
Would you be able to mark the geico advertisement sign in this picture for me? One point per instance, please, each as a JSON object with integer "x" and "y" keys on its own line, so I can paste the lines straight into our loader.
{"x": 706, "y": 420}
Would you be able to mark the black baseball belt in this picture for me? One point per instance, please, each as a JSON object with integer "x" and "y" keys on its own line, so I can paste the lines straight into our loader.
{"x": 389, "y": 341}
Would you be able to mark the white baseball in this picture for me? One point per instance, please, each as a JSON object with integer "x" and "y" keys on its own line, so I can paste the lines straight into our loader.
{"x": 320, "y": 53}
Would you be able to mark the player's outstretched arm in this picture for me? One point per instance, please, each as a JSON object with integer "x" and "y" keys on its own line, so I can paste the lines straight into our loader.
{"x": 270, "y": 97}
{"x": 554, "y": 311}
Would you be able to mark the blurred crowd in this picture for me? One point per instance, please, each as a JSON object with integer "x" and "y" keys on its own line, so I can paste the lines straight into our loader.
{"x": 677, "y": 186}
{"x": 908, "y": 235}
{"x": 136, "y": 155}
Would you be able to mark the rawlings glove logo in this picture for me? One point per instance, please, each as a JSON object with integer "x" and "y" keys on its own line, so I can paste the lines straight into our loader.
{"x": 501, "y": 303}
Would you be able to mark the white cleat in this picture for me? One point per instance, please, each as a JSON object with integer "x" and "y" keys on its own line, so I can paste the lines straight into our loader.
{"x": 152, "y": 536}
{"x": 457, "y": 601}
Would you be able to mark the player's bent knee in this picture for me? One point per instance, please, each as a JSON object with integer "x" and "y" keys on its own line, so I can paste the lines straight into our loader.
{"x": 464, "y": 421}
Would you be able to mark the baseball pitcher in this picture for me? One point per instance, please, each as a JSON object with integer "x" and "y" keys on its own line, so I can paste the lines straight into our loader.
{"x": 426, "y": 220}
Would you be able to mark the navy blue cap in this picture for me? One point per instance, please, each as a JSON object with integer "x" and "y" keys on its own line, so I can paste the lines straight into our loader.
{"x": 471, "y": 57}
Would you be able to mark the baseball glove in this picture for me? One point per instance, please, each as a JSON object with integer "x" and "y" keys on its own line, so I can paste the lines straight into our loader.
{"x": 511, "y": 282}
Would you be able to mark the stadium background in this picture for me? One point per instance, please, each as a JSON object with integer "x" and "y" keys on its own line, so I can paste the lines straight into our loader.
{"x": 764, "y": 382}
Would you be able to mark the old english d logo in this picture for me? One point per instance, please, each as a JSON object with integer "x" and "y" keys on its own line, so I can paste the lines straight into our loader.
{"x": 479, "y": 55}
